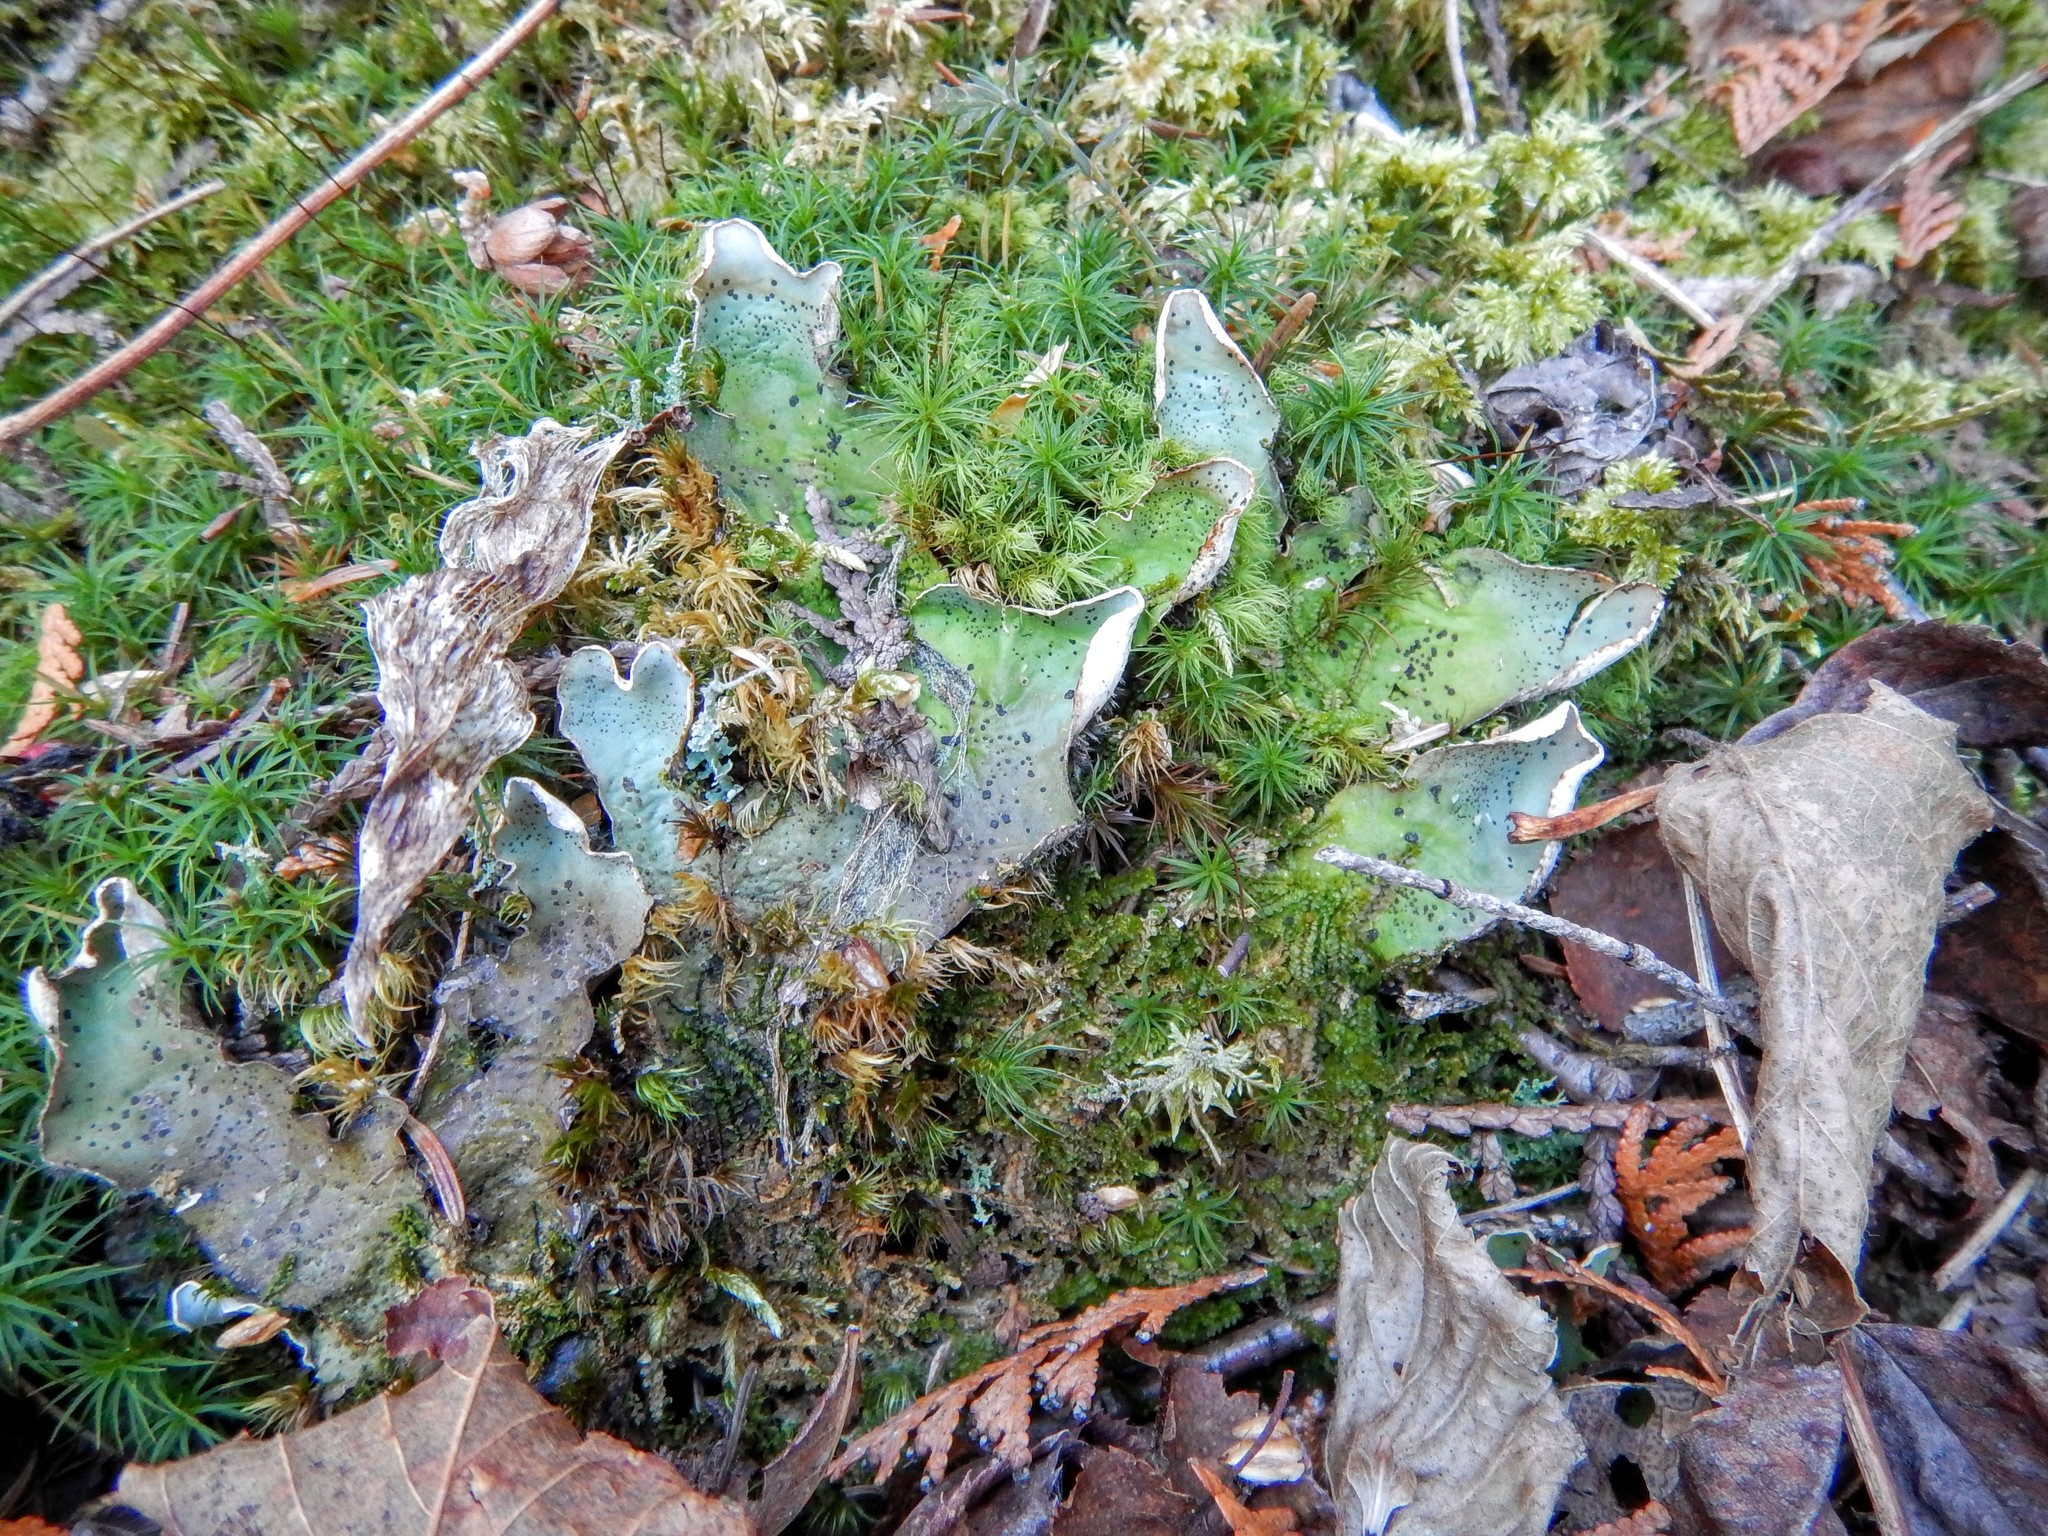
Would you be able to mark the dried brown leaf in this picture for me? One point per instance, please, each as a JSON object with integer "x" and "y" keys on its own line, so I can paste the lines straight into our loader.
{"x": 1055, "y": 1364}
{"x": 788, "y": 1481}
{"x": 1996, "y": 959}
{"x": 1443, "y": 1408}
{"x": 1119, "y": 1494}
{"x": 471, "y": 1449}
{"x": 1761, "y": 1461}
{"x": 59, "y": 670}
{"x": 1774, "y": 83}
{"x": 1951, "y": 1432}
{"x": 452, "y": 704}
{"x": 1949, "y": 1063}
{"x": 1625, "y": 884}
{"x": 1660, "y": 1191}
{"x": 1823, "y": 853}
{"x": 1653, "y": 1519}
{"x": 1242, "y": 1520}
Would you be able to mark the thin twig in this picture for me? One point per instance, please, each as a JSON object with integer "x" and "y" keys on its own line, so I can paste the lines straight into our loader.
{"x": 1524, "y": 828}
{"x": 1526, "y": 1203}
{"x": 1719, "y": 1043}
{"x": 1719, "y": 339}
{"x": 1635, "y": 955}
{"x": 118, "y": 365}
{"x": 1290, "y": 324}
{"x": 1454, "y": 50}
{"x": 23, "y": 113}
{"x": 1669, "y": 1321}
{"x": 1956, "y": 1268}
{"x": 76, "y": 266}
{"x": 1500, "y": 63}
{"x": 1651, "y": 276}
{"x": 1236, "y": 1468}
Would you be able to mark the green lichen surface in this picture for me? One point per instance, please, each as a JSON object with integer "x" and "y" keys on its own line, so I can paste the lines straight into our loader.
{"x": 1206, "y": 395}
{"x": 1177, "y": 540}
{"x": 630, "y": 731}
{"x": 780, "y": 421}
{"x": 142, "y": 1097}
{"x": 587, "y": 912}
{"x": 1486, "y": 631}
{"x": 1450, "y": 817}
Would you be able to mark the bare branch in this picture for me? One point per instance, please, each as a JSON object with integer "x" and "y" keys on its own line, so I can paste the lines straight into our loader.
{"x": 252, "y": 255}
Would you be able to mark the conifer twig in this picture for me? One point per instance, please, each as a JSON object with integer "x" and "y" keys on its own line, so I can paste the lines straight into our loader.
{"x": 1719, "y": 339}
{"x": 1635, "y": 955}
{"x": 119, "y": 364}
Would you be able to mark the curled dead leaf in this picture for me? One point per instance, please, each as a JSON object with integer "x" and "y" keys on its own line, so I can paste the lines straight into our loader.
{"x": 532, "y": 247}
{"x": 1444, "y": 1414}
{"x": 1823, "y": 852}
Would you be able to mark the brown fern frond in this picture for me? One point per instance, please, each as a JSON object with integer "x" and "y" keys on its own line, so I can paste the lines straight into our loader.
{"x": 1054, "y": 1364}
{"x": 1858, "y": 562}
{"x": 1653, "y": 1519}
{"x": 1929, "y": 213}
{"x": 1659, "y": 1192}
{"x": 1773, "y": 83}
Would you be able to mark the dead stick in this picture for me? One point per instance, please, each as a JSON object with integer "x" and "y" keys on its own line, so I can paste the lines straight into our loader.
{"x": 1635, "y": 955}
{"x": 1651, "y": 276}
{"x": 119, "y": 364}
{"x": 1719, "y": 340}
{"x": 1719, "y": 1043}
{"x": 1524, "y": 828}
{"x": 1526, "y": 1203}
{"x": 77, "y": 263}
{"x": 1454, "y": 50}
{"x": 1500, "y": 62}
{"x": 1290, "y": 324}
{"x": 1958, "y": 1265}
{"x": 1236, "y": 1468}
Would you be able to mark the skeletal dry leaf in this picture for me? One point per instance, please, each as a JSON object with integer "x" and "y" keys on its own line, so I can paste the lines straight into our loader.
{"x": 473, "y": 1448}
{"x": 453, "y": 705}
{"x": 1444, "y": 1417}
{"x": 1660, "y": 1191}
{"x": 1823, "y": 853}
{"x": 1055, "y": 1364}
{"x": 59, "y": 670}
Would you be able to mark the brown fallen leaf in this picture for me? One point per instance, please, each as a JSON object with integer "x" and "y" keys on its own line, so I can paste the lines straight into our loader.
{"x": 1949, "y": 1062}
{"x": 1653, "y": 1519}
{"x": 1864, "y": 128}
{"x": 32, "y": 1525}
{"x": 1631, "y": 1430}
{"x": 1823, "y": 853}
{"x": 1443, "y": 1409}
{"x": 472, "y": 1448}
{"x": 1996, "y": 959}
{"x": 259, "y": 1327}
{"x": 1241, "y": 1520}
{"x": 1993, "y": 691}
{"x": 1660, "y": 1191}
{"x": 1951, "y": 1432}
{"x": 315, "y": 856}
{"x": 1119, "y": 1494}
{"x": 1761, "y": 1461}
{"x": 59, "y": 670}
{"x": 1055, "y": 1364}
{"x": 1773, "y": 84}
{"x": 453, "y": 705}
{"x": 1625, "y": 884}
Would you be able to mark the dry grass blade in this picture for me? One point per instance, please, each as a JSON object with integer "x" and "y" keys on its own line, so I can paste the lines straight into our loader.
{"x": 1055, "y": 1363}
{"x": 1710, "y": 1383}
{"x": 1659, "y": 1192}
{"x": 1775, "y": 83}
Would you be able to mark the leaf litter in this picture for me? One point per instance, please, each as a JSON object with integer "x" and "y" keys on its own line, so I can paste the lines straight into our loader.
{"x": 773, "y": 831}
